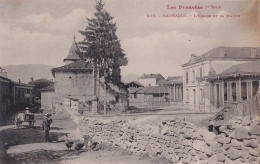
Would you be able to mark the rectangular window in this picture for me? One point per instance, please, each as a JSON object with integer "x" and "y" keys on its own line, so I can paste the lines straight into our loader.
{"x": 201, "y": 96}
{"x": 18, "y": 93}
{"x": 200, "y": 72}
{"x": 193, "y": 75}
{"x": 234, "y": 92}
{"x": 187, "y": 77}
{"x": 225, "y": 91}
{"x": 187, "y": 95}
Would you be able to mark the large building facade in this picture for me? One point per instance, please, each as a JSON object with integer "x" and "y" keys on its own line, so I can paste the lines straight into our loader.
{"x": 197, "y": 91}
{"x": 14, "y": 96}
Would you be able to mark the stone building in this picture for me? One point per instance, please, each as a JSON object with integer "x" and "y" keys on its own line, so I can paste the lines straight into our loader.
{"x": 236, "y": 84}
{"x": 74, "y": 85}
{"x": 5, "y": 93}
{"x": 175, "y": 87}
{"x": 149, "y": 96}
{"x": 22, "y": 95}
{"x": 196, "y": 88}
{"x": 150, "y": 79}
{"x": 14, "y": 96}
{"x": 48, "y": 97}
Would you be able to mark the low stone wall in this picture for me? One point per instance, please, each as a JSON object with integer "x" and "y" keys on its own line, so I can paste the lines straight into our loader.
{"x": 237, "y": 140}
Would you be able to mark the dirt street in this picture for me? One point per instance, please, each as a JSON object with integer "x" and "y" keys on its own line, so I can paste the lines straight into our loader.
{"x": 26, "y": 145}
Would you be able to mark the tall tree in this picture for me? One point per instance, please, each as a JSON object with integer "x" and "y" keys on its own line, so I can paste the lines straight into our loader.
{"x": 102, "y": 46}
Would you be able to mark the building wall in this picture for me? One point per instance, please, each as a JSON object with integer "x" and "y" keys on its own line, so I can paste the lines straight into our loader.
{"x": 148, "y": 81}
{"x": 23, "y": 96}
{"x": 47, "y": 99}
{"x": 71, "y": 86}
{"x": 191, "y": 87}
{"x": 5, "y": 99}
{"x": 67, "y": 83}
{"x": 196, "y": 94}
{"x": 245, "y": 89}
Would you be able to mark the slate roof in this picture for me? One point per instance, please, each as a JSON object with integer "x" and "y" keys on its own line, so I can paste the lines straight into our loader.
{"x": 134, "y": 90}
{"x": 49, "y": 88}
{"x": 249, "y": 67}
{"x": 175, "y": 80}
{"x": 73, "y": 56}
{"x": 162, "y": 82}
{"x": 135, "y": 82}
{"x": 152, "y": 90}
{"x": 77, "y": 66}
{"x": 173, "y": 77}
{"x": 244, "y": 69}
{"x": 227, "y": 53}
{"x": 5, "y": 78}
{"x": 17, "y": 84}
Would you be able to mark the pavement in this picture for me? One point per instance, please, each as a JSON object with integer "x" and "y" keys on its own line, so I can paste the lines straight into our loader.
{"x": 36, "y": 147}
{"x": 57, "y": 152}
{"x": 6, "y": 127}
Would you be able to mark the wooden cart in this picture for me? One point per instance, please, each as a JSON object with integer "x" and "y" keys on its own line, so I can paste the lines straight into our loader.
{"x": 24, "y": 117}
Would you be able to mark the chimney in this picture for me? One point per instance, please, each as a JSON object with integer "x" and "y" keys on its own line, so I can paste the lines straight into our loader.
{"x": 31, "y": 78}
{"x": 3, "y": 72}
{"x": 253, "y": 53}
{"x": 19, "y": 80}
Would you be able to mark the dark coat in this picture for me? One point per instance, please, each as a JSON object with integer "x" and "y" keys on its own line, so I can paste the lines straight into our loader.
{"x": 46, "y": 124}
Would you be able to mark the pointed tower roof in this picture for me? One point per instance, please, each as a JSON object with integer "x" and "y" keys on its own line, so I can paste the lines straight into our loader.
{"x": 73, "y": 56}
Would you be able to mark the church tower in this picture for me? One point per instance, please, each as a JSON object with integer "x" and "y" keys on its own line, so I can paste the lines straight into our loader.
{"x": 73, "y": 56}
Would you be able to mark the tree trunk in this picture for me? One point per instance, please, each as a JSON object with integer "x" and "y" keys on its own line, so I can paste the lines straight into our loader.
{"x": 105, "y": 88}
{"x": 95, "y": 81}
{"x": 94, "y": 102}
{"x": 98, "y": 79}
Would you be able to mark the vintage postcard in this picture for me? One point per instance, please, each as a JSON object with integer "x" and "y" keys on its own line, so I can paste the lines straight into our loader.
{"x": 129, "y": 81}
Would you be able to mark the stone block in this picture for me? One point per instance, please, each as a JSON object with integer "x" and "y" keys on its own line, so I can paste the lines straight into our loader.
{"x": 253, "y": 153}
{"x": 246, "y": 121}
{"x": 202, "y": 156}
{"x": 187, "y": 143}
{"x": 255, "y": 130}
{"x": 233, "y": 154}
{"x": 209, "y": 138}
{"x": 223, "y": 140}
{"x": 242, "y": 133}
{"x": 175, "y": 158}
{"x": 226, "y": 146}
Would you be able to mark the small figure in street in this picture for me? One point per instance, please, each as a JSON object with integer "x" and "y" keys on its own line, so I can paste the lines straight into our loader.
{"x": 41, "y": 111}
{"x": 46, "y": 126}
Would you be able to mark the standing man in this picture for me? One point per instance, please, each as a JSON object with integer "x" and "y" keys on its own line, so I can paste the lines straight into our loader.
{"x": 46, "y": 126}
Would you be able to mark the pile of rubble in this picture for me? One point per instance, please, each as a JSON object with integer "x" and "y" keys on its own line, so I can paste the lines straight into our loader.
{"x": 236, "y": 141}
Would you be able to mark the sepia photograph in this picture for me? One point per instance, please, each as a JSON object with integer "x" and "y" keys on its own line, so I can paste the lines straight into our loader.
{"x": 129, "y": 81}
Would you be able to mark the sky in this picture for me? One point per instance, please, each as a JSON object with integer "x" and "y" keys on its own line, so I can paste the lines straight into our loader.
{"x": 41, "y": 31}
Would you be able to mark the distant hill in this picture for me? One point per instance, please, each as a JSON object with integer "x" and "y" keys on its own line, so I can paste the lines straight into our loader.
{"x": 25, "y": 72}
{"x": 130, "y": 77}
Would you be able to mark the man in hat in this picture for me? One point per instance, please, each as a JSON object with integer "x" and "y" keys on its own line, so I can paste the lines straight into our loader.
{"x": 46, "y": 126}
